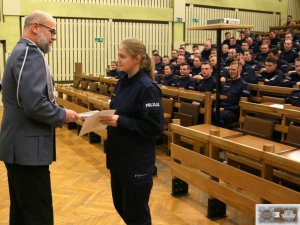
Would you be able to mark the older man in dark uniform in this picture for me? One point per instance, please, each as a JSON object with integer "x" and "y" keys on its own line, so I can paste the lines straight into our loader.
{"x": 27, "y": 138}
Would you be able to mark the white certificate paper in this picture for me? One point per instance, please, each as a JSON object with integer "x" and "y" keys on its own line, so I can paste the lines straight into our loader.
{"x": 92, "y": 120}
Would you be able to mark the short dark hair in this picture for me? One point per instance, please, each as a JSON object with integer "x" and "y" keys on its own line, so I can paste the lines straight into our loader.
{"x": 171, "y": 67}
{"x": 271, "y": 60}
{"x": 274, "y": 51}
{"x": 185, "y": 64}
{"x": 207, "y": 63}
{"x": 250, "y": 52}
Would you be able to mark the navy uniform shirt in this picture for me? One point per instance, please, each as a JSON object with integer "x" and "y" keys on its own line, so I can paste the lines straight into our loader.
{"x": 256, "y": 66}
{"x": 130, "y": 147}
{"x": 275, "y": 78}
{"x": 236, "y": 47}
{"x": 296, "y": 48}
{"x": 234, "y": 90}
{"x": 248, "y": 74}
{"x": 294, "y": 98}
{"x": 275, "y": 42}
{"x": 261, "y": 57}
{"x": 205, "y": 54}
{"x": 204, "y": 85}
{"x": 289, "y": 56}
{"x": 224, "y": 57}
{"x": 167, "y": 80}
{"x": 159, "y": 67}
{"x": 223, "y": 72}
{"x": 196, "y": 70}
{"x": 291, "y": 80}
{"x": 254, "y": 47}
{"x": 183, "y": 82}
{"x": 227, "y": 62}
{"x": 176, "y": 70}
{"x": 114, "y": 73}
{"x": 283, "y": 65}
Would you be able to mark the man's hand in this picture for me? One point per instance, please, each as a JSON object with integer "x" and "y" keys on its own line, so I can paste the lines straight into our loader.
{"x": 71, "y": 116}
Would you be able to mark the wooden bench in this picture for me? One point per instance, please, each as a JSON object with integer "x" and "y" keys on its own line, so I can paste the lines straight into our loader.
{"x": 282, "y": 167}
{"x": 268, "y": 90}
{"x": 283, "y": 113}
{"x": 205, "y": 98}
{"x": 224, "y": 183}
{"x": 262, "y": 110}
{"x": 168, "y": 91}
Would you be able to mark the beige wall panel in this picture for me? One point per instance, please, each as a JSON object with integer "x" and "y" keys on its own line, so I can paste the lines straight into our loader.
{"x": 293, "y": 9}
{"x": 139, "y": 3}
{"x": 11, "y": 7}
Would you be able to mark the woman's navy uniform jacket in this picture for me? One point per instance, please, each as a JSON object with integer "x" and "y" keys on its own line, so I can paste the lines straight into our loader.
{"x": 130, "y": 147}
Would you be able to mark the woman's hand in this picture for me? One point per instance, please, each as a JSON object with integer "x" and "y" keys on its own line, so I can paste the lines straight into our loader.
{"x": 110, "y": 121}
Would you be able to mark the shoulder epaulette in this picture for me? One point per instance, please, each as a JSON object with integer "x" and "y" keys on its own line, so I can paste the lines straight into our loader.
{"x": 31, "y": 45}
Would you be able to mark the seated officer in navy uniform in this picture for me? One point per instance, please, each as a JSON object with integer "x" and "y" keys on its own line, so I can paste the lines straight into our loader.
{"x": 258, "y": 40}
{"x": 245, "y": 46}
{"x": 231, "y": 55}
{"x": 196, "y": 69}
{"x": 224, "y": 54}
{"x": 168, "y": 78}
{"x": 289, "y": 36}
{"x": 226, "y": 41}
{"x": 234, "y": 45}
{"x": 234, "y": 89}
{"x": 270, "y": 75}
{"x": 293, "y": 78}
{"x": 114, "y": 72}
{"x": 263, "y": 54}
{"x": 184, "y": 80}
{"x": 174, "y": 55}
{"x": 252, "y": 45}
{"x": 208, "y": 82}
{"x": 165, "y": 60}
{"x": 281, "y": 63}
{"x": 275, "y": 41}
{"x": 196, "y": 53}
{"x": 207, "y": 50}
{"x": 294, "y": 98}
{"x": 176, "y": 66}
{"x": 250, "y": 61}
{"x": 287, "y": 53}
{"x": 158, "y": 65}
{"x": 213, "y": 63}
{"x": 247, "y": 73}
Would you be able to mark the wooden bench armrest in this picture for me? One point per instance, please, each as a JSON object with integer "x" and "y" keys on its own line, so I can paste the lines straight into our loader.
{"x": 290, "y": 143}
{"x": 251, "y": 133}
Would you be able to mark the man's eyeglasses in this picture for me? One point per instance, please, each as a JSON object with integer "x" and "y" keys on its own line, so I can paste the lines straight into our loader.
{"x": 52, "y": 31}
